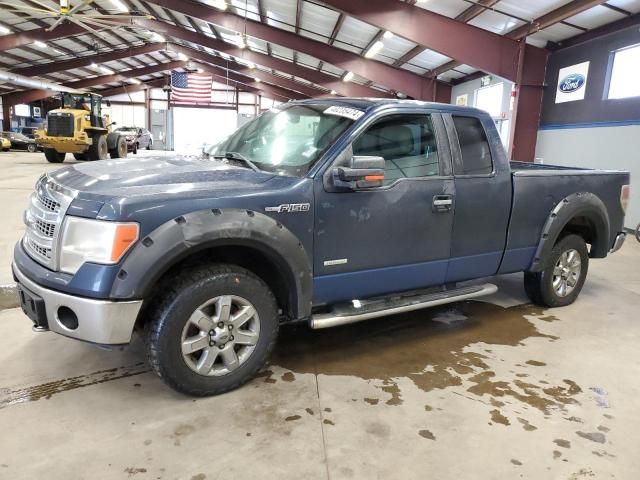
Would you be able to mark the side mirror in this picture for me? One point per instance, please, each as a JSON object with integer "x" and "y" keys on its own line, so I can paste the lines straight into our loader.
{"x": 107, "y": 103}
{"x": 362, "y": 172}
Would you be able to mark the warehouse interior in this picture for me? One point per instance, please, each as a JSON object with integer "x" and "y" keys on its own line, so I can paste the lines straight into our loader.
{"x": 498, "y": 388}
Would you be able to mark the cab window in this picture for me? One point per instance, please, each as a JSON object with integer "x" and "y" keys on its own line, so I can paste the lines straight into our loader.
{"x": 406, "y": 142}
{"x": 474, "y": 147}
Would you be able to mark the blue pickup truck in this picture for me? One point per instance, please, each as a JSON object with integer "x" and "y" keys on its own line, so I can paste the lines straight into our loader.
{"x": 325, "y": 211}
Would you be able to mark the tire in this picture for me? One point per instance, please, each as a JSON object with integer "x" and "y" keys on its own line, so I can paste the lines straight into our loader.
{"x": 80, "y": 156}
{"x": 54, "y": 157}
{"x": 169, "y": 324}
{"x": 98, "y": 150}
{"x": 149, "y": 145}
{"x": 540, "y": 285}
{"x": 638, "y": 233}
{"x": 32, "y": 148}
{"x": 135, "y": 149}
{"x": 121, "y": 149}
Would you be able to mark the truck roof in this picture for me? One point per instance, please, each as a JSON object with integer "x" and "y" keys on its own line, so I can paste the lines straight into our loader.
{"x": 366, "y": 103}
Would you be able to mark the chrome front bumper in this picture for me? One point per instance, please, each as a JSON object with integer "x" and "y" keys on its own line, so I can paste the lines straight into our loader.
{"x": 617, "y": 245}
{"x": 98, "y": 321}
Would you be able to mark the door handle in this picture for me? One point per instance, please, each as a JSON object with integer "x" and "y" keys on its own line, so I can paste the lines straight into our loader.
{"x": 442, "y": 203}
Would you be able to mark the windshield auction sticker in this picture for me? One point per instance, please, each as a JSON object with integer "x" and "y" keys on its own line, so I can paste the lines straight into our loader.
{"x": 346, "y": 112}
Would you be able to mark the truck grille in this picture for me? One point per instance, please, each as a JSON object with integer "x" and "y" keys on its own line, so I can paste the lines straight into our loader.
{"x": 60, "y": 125}
{"x": 47, "y": 207}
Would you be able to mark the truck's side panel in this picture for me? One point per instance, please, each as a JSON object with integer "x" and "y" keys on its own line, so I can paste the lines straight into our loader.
{"x": 483, "y": 204}
{"x": 538, "y": 191}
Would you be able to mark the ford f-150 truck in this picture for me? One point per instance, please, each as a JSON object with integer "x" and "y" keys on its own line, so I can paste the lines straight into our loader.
{"x": 320, "y": 211}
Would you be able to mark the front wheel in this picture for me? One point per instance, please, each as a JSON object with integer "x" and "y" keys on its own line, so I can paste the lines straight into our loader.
{"x": 213, "y": 330}
{"x": 120, "y": 150}
{"x": 563, "y": 275}
{"x": 54, "y": 157}
{"x": 32, "y": 148}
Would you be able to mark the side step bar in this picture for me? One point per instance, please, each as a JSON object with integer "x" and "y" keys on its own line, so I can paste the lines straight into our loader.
{"x": 367, "y": 310}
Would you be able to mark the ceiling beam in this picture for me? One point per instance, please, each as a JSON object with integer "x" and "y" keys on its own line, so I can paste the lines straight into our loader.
{"x": 469, "y": 14}
{"x": 113, "y": 91}
{"x": 468, "y": 44}
{"x": 27, "y": 37}
{"x": 53, "y": 67}
{"x": 399, "y": 80}
{"x": 27, "y": 96}
{"x": 545, "y": 21}
{"x": 322, "y": 79}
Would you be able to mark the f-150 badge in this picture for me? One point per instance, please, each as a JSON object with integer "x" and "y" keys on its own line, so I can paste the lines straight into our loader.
{"x": 289, "y": 208}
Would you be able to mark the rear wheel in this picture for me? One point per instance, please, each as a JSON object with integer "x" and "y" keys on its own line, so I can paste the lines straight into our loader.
{"x": 120, "y": 151}
{"x": 98, "y": 150}
{"x": 213, "y": 330}
{"x": 563, "y": 275}
{"x": 54, "y": 157}
{"x": 80, "y": 156}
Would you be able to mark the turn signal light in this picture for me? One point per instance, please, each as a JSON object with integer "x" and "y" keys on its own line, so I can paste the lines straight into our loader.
{"x": 126, "y": 235}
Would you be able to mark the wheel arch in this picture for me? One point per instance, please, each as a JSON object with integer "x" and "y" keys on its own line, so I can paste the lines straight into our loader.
{"x": 249, "y": 239}
{"x": 583, "y": 214}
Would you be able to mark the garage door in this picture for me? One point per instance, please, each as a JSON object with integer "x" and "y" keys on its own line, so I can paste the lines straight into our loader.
{"x": 194, "y": 127}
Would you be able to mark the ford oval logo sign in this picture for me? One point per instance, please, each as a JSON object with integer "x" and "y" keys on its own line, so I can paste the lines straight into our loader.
{"x": 571, "y": 83}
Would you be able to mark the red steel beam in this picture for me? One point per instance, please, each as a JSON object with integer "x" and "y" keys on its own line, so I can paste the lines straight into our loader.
{"x": 252, "y": 73}
{"x": 53, "y": 67}
{"x": 399, "y": 80}
{"x": 471, "y": 45}
{"x": 111, "y": 92}
{"x": 545, "y": 21}
{"x": 27, "y": 96}
{"x": 324, "y": 80}
{"x": 27, "y": 37}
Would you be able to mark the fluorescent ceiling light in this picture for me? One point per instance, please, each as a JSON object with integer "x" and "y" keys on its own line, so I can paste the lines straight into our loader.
{"x": 183, "y": 57}
{"x": 257, "y": 79}
{"x": 135, "y": 80}
{"x": 4, "y": 30}
{"x": 333, "y": 92}
{"x": 388, "y": 35}
{"x": 375, "y": 48}
{"x": 119, "y": 5}
{"x": 40, "y": 44}
{"x": 348, "y": 77}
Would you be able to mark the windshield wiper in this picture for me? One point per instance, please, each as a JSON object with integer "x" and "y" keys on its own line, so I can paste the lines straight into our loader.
{"x": 238, "y": 157}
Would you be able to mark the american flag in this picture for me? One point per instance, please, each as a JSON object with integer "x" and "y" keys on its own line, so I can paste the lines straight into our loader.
{"x": 190, "y": 87}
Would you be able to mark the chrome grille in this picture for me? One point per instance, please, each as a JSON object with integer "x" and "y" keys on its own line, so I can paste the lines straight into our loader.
{"x": 48, "y": 203}
{"x": 43, "y": 217}
{"x": 46, "y": 228}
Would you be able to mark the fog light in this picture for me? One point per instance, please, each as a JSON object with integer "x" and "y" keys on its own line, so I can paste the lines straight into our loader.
{"x": 68, "y": 318}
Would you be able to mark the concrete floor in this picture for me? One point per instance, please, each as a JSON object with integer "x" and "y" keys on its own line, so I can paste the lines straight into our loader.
{"x": 496, "y": 390}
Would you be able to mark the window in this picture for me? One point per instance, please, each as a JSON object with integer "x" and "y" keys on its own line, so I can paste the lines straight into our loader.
{"x": 490, "y": 99}
{"x": 474, "y": 147}
{"x": 406, "y": 142}
{"x": 624, "y": 72}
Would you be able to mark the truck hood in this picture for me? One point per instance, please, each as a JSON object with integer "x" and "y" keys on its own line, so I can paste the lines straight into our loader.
{"x": 157, "y": 175}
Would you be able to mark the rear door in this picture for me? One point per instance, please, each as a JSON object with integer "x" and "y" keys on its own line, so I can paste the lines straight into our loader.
{"x": 395, "y": 237}
{"x": 483, "y": 197}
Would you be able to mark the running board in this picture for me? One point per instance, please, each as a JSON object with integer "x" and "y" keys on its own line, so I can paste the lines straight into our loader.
{"x": 368, "y": 309}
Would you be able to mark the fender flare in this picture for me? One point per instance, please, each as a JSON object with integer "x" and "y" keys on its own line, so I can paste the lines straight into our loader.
{"x": 581, "y": 204}
{"x": 176, "y": 239}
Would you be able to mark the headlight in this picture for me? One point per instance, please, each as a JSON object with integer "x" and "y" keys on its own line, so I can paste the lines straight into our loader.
{"x": 96, "y": 241}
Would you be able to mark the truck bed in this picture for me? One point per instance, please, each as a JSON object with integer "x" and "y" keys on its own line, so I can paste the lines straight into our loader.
{"x": 537, "y": 189}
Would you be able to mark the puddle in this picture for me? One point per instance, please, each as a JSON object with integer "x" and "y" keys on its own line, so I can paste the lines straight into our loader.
{"x": 46, "y": 390}
{"x": 433, "y": 354}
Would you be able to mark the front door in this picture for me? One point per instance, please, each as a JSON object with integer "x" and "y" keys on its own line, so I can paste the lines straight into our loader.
{"x": 395, "y": 237}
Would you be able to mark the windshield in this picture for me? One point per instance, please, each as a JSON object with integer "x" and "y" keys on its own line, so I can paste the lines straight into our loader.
{"x": 127, "y": 130}
{"x": 287, "y": 141}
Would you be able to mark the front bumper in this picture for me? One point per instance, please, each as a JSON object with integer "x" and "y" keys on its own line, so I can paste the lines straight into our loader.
{"x": 617, "y": 245}
{"x": 98, "y": 321}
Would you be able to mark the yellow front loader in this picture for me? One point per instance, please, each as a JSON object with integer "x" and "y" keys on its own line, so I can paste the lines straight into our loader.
{"x": 79, "y": 127}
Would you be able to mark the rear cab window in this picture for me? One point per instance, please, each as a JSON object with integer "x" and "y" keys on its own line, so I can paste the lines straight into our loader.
{"x": 474, "y": 147}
